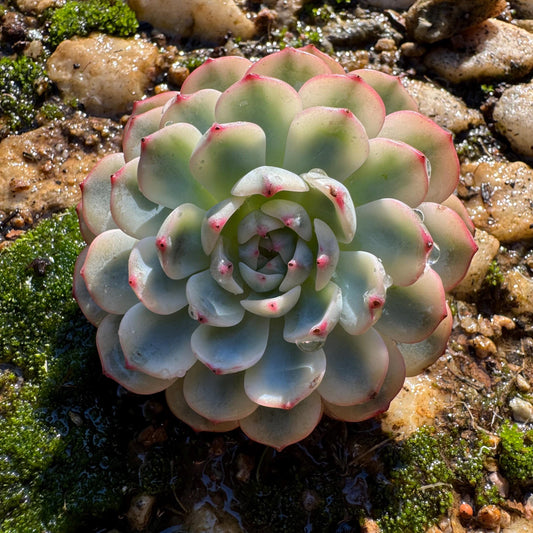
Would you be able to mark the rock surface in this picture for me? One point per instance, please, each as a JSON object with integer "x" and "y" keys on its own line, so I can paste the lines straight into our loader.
{"x": 502, "y": 203}
{"x": 524, "y": 8}
{"x": 513, "y": 115}
{"x": 440, "y": 105}
{"x": 41, "y": 170}
{"x": 487, "y": 249}
{"x": 209, "y": 20}
{"x": 493, "y": 50}
{"x": 93, "y": 71}
{"x": 430, "y": 21}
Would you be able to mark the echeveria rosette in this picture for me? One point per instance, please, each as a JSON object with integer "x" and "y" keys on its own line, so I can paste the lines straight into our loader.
{"x": 273, "y": 243}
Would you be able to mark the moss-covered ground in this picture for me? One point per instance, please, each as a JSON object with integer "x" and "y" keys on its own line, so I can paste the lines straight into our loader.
{"x": 59, "y": 447}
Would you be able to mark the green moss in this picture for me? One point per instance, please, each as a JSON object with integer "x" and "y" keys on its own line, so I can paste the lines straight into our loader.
{"x": 494, "y": 276}
{"x": 424, "y": 471}
{"x": 61, "y": 456}
{"x": 22, "y": 80}
{"x": 516, "y": 456}
{"x": 419, "y": 490}
{"x": 51, "y": 111}
{"x": 113, "y": 17}
{"x": 467, "y": 459}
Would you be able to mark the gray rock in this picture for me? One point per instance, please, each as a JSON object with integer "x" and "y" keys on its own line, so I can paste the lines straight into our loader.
{"x": 513, "y": 116}
{"x": 441, "y": 106}
{"x": 523, "y": 8}
{"x": 493, "y": 50}
{"x": 433, "y": 20}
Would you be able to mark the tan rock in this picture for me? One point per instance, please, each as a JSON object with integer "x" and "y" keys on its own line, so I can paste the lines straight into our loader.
{"x": 503, "y": 205}
{"x": 37, "y": 6}
{"x": 443, "y": 107}
{"x": 430, "y": 21}
{"x": 493, "y": 50}
{"x": 208, "y": 20}
{"x": 487, "y": 249}
{"x": 513, "y": 116}
{"x": 41, "y": 170}
{"x": 526, "y": 24}
{"x": 417, "y": 404}
{"x": 106, "y": 74}
{"x": 520, "y": 289}
{"x": 489, "y": 516}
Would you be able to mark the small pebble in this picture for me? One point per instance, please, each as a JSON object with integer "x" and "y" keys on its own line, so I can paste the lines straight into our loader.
{"x": 469, "y": 324}
{"x": 522, "y": 410}
{"x": 410, "y": 49}
{"x": 484, "y": 347}
{"x": 489, "y": 516}
{"x": 245, "y": 465}
{"x": 385, "y": 45}
{"x": 500, "y": 322}
{"x": 522, "y": 384}
{"x": 310, "y": 500}
{"x": 485, "y": 327}
{"x": 500, "y": 483}
{"x": 465, "y": 512}
{"x": 177, "y": 75}
{"x": 370, "y": 526}
{"x": 140, "y": 511}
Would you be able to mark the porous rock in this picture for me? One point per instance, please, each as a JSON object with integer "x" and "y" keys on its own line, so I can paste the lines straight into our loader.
{"x": 502, "y": 205}
{"x": 417, "y": 404}
{"x": 105, "y": 74}
{"x": 430, "y": 21}
{"x": 520, "y": 288}
{"x": 513, "y": 116}
{"x": 40, "y": 170}
{"x": 441, "y": 106}
{"x": 208, "y": 20}
{"x": 493, "y": 50}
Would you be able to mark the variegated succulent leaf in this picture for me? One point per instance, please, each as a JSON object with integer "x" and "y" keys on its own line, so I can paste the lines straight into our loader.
{"x": 273, "y": 243}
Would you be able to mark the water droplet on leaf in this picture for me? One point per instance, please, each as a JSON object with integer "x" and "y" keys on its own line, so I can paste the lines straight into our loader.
{"x": 310, "y": 346}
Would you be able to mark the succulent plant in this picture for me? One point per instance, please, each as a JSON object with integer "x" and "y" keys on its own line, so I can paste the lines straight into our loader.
{"x": 274, "y": 243}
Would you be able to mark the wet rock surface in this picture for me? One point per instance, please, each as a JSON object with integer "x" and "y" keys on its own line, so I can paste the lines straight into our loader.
{"x": 493, "y": 50}
{"x": 472, "y": 75}
{"x": 105, "y": 74}
{"x": 209, "y": 20}
{"x": 513, "y": 116}
{"x": 434, "y": 20}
